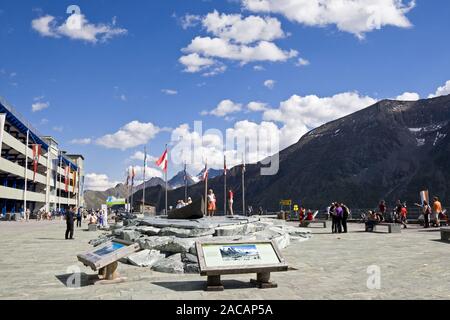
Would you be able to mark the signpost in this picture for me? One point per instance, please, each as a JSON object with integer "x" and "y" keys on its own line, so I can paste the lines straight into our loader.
{"x": 218, "y": 258}
{"x": 104, "y": 260}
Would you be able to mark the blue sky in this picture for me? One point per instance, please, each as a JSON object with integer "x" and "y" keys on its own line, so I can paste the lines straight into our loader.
{"x": 125, "y": 66}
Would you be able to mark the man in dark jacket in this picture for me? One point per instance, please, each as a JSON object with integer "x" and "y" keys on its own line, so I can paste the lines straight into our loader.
{"x": 70, "y": 217}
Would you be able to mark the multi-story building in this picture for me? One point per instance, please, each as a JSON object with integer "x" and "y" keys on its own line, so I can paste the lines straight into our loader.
{"x": 49, "y": 179}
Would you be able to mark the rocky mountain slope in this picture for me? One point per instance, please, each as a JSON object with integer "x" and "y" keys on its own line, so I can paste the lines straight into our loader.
{"x": 390, "y": 151}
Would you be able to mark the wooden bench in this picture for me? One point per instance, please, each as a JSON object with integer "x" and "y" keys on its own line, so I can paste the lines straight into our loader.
{"x": 445, "y": 234}
{"x": 306, "y": 223}
{"x": 392, "y": 227}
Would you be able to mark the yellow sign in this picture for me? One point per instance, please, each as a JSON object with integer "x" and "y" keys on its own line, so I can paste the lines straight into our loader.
{"x": 296, "y": 207}
{"x": 286, "y": 202}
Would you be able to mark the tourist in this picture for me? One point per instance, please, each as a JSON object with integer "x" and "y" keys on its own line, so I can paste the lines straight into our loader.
{"x": 301, "y": 214}
{"x": 250, "y": 210}
{"x": 339, "y": 213}
{"x": 332, "y": 214}
{"x": 426, "y": 212}
{"x": 372, "y": 221}
{"x": 180, "y": 204}
{"x": 345, "y": 216}
{"x": 27, "y": 214}
{"x": 404, "y": 216}
{"x": 437, "y": 211}
{"x": 100, "y": 218}
{"x": 211, "y": 203}
{"x": 260, "y": 211}
{"x": 382, "y": 209}
{"x": 398, "y": 210}
{"x": 79, "y": 218}
{"x": 230, "y": 201}
{"x": 70, "y": 215}
{"x": 309, "y": 216}
{"x": 189, "y": 201}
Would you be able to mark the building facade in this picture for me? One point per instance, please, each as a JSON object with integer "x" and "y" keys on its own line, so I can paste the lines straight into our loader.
{"x": 35, "y": 173}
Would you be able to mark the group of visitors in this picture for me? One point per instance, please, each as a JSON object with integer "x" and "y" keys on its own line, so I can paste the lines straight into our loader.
{"x": 211, "y": 203}
{"x": 304, "y": 215}
{"x": 432, "y": 215}
{"x": 339, "y": 214}
{"x": 182, "y": 203}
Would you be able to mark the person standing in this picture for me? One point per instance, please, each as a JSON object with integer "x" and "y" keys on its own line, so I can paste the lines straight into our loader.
{"x": 404, "y": 216}
{"x": 79, "y": 217}
{"x": 345, "y": 215}
{"x": 426, "y": 211}
{"x": 339, "y": 215}
{"x": 70, "y": 216}
{"x": 437, "y": 211}
{"x": 382, "y": 208}
{"x": 27, "y": 214}
{"x": 230, "y": 201}
{"x": 211, "y": 203}
{"x": 332, "y": 214}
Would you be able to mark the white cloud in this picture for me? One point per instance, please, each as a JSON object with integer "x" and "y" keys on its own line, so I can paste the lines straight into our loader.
{"x": 169, "y": 92}
{"x": 131, "y": 135}
{"x": 235, "y": 38}
{"x": 441, "y": 91}
{"x": 58, "y": 128}
{"x": 139, "y": 156}
{"x": 302, "y": 62}
{"x": 83, "y": 141}
{"x": 194, "y": 63}
{"x": 123, "y": 97}
{"x": 98, "y": 182}
{"x": 353, "y": 16}
{"x": 408, "y": 96}
{"x": 39, "y": 106}
{"x": 243, "y": 30}
{"x": 257, "y": 106}
{"x": 190, "y": 20}
{"x": 270, "y": 84}
{"x": 300, "y": 114}
{"x": 76, "y": 27}
{"x": 224, "y": 49}
{"x": 258, "y": 68}
{"x": 224, "y": 108}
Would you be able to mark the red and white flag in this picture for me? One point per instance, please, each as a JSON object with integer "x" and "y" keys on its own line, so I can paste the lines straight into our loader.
{"x": 163, "y": 161}
{"x": 205, "y": 172}
{"x": 36, "y": 154}
{"x": 74, "y": 181}
{"x": 224, "y": 165}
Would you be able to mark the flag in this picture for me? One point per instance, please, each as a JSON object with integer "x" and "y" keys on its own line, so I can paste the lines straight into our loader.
{"x": 224, "y": 165}
{"x": 205, "y": 172}
{"x": 133, "y": 174}
{"x": 66, "y": 178}
{"x": 36, "y": 154}
{"x": 163, "y": 161}
{"x": 128, "y": 177}
{"x": 74, "y": 180}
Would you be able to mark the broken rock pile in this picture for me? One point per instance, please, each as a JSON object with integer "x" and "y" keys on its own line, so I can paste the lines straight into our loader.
{"x": 169, "y": 245}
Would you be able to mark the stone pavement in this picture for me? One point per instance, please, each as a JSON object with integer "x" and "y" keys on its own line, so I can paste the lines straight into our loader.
{"x": 35, "y": 261}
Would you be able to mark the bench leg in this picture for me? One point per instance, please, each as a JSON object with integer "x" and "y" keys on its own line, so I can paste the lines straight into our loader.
{"x": 263, "y": 281}
{"x": 214, "y": 284}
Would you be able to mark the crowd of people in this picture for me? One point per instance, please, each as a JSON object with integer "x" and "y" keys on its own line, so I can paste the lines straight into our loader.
{"x": 430, "y": 215}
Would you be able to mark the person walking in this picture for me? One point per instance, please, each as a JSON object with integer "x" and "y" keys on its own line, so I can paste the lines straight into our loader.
{"x": 70, "y": 216}
{"x": 211, "y": 203}
{"x": 79, "y": 217}
{"x": 230, "y": 201}
{"x": 437, "y": 211}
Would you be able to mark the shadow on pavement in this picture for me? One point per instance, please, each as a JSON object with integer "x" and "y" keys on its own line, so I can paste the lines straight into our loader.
{"x": 69, "y": 280}
{"x": 200, "y": 285}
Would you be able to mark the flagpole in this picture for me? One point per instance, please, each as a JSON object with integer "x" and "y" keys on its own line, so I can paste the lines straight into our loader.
{"x": 243, "y": 178}
{"x": 60, "y": 181}
{"x": 166, "y": 176}
{"x": 143, "y": 190}
{"x": 132, "y": 187}
{"x": 185, "y": 184}
{"x": 25, "y": 191}
{"x": 206, "y": 188}
{"x": 225, "y": 185}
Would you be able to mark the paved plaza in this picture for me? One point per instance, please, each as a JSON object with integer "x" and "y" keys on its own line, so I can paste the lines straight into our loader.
{"x": 35, "y": 263}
